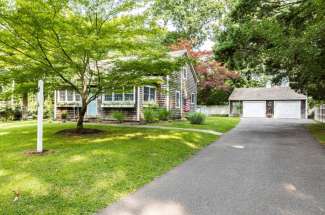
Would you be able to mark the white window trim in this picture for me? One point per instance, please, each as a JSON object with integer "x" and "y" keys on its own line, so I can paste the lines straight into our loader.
{"x": 184, "y": 73}
{"x": 193, "y": 98}
{"x": 179, "y": 99}
{"x": 152, "y": 87}
{"x": 66, "y": 97}
{"x": 59, "y": 95}
{"x": 123, "y": 97}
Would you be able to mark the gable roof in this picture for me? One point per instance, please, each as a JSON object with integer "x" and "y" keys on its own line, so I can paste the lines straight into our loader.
{"x": 276, "y": 93}
{"x": 184, "y": 52}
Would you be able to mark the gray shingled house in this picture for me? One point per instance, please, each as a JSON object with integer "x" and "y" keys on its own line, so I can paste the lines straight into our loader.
{"x": 177, "y": 93}
{"x": 276, "y": 102}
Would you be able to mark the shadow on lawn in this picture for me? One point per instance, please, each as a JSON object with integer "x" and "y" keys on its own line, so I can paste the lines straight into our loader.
{"x": 85, "y": 173}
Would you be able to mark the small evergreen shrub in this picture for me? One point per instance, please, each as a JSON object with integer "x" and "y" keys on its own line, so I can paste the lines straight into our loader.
{"x": 196, "y": 118}
{"x": 118, "y": 116}
{"x": 150, "y": 115}
{"x": 163, "y": 114}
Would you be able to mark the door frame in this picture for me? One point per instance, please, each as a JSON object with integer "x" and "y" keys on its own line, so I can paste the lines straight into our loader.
{"x": 96, "y": 114}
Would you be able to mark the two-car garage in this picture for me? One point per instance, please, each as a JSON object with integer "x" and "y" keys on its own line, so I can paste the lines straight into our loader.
{"x": 268, "y": 102}
{"x": 282, "y": 109}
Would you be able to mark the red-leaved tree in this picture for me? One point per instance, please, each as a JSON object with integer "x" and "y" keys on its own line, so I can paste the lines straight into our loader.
{"x": 215, "y": 80}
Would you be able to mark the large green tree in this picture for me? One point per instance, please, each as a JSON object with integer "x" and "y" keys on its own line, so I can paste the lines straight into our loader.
{"x": 192, "y": 19}
{"x": 86, "y": 45}
{"x": 284, "y": 39}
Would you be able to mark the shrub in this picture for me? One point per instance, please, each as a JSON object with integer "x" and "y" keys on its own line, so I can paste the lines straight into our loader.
{"x": 7, "y": 114}
{"x": 119, "y": 116}
{"x": 17, "y": 114}
{"x": 196, "y": 118}
{"x": 163, "y": 114}
{"x": 64, "y": 115}
{"x": 150, "y": 115}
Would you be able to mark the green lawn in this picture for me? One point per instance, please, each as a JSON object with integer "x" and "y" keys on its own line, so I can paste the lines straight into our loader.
{"x": 214, "y": 123}
{"x": 318, "y": 131}
{"x": 81, "y": 175}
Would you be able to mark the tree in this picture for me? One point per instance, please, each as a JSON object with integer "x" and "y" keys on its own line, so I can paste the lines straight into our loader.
{"x": 192, "y": 19}
{"x": 87, "y": 46}
{"x": 284, "y": 39}
{"x": 215, "y": 80}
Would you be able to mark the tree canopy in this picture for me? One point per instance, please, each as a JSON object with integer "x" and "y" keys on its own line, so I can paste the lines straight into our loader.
{"x": 192, "y": 19}
{"x": 284, "y": 39}
{"x": 81, "y": 44}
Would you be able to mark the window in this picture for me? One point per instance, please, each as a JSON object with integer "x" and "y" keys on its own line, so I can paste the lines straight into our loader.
{"x": 149, "y": 94}
{"x": 118, "y": 95}
{"x": 178, "y": 99}
{"x": 185, "y": 73}
{"x": 69, "y": 96}
{"x": 62, "y": 95}
{"x": 128, "y": 94}
{"x": 193, "y": 99}
{"x": 78, "y": 97}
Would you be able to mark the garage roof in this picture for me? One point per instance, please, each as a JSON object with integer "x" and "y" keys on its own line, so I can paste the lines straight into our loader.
{"x": 276, "y": 93}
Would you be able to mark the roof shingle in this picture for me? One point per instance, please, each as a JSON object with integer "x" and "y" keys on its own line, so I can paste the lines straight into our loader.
{"x": 276, "y": 93}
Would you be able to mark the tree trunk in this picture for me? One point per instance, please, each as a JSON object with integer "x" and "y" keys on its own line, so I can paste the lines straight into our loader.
{"x": 82, "y": 113}
{"x": 25, "y": 106}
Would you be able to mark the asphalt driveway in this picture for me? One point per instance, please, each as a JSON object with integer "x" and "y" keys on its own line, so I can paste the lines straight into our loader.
{"x": 263, "y": 166}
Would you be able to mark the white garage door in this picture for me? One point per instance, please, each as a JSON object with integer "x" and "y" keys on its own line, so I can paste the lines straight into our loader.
{"x": 287, "y": 109}
{"x": 254, "y": 109}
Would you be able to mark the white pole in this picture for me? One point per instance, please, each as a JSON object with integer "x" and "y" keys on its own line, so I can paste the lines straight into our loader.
{"x": 40, "y": 101}
{"x": 54, "y": 108}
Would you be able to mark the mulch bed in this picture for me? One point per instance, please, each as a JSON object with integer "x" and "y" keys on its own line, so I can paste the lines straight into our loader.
{"x": 80, "y": 132}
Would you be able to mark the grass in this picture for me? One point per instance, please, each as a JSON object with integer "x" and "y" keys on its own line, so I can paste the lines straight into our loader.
{"x": 214, "y": 123}
{"x": 318, "y": 131}
{"x": 81, "y": 175}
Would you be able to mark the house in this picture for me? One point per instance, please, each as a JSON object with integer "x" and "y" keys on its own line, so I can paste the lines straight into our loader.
{"x": 276, "y": 102}
{"x": 177, "y": 93}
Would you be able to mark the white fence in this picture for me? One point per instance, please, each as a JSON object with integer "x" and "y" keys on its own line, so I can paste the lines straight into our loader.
{"x": 213, "y": 109}
{"x": 320, "y": 113}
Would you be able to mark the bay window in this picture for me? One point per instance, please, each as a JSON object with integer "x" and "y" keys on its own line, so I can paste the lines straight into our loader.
{"x": 128, "y": 94}
{"x": 78, "y": 97}
{"x": 124, "y": 94}
{"x": 68, "y": 96}
{"x": 108, "y": 97}
{"x": 62, "y": 95}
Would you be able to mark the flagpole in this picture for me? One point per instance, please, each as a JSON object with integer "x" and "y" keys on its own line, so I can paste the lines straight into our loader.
{"x": 40, "y": 103}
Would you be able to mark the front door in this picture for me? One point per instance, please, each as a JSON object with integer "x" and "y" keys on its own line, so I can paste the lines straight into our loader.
{"x": 92, "y": 108}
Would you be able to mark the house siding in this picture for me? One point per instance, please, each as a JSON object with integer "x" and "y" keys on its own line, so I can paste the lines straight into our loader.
{"x": 165, "y": 97}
